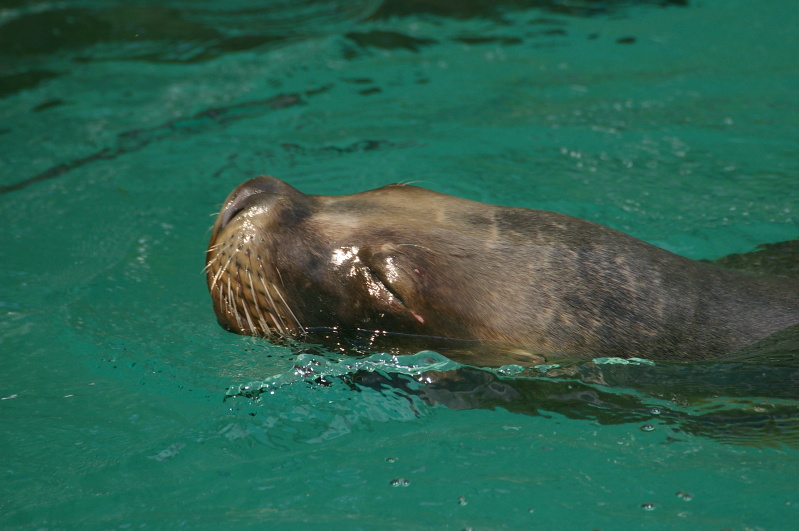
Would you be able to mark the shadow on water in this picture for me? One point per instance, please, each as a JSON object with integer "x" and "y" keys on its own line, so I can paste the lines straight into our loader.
{"x": 481, "y": 9}
{"x": 190, "y": 33}
{"x": 748, "y": 400}
{"x": 43, "y": 41}
{"x": 750, "y": 397}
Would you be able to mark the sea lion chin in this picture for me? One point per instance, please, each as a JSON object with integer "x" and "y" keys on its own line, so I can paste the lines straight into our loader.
{"x": 416, "y": 263}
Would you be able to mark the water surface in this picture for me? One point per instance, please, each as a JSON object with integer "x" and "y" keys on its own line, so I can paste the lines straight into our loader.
{"x": 123, "y": 128}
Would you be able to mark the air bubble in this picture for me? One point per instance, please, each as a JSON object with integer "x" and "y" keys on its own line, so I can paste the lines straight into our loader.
{"x": 648, "y": 427}
{"x": 648, "y": 506}
{"x": 685, "y": 496}
{"x": 400, "y": 482}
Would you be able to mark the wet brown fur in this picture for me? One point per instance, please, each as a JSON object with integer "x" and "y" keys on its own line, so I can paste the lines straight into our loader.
{"x": 408, "y": 260}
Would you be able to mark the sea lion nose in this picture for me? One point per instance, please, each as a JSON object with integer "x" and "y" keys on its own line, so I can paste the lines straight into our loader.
{"x": 248, "y": 193}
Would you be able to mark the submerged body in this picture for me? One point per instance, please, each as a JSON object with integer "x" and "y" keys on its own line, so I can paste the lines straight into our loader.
{"x": 407, "y": 260}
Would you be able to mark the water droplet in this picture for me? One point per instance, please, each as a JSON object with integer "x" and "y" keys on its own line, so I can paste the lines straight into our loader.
{"x": 400, "y": 482}
{"x": 462, "y": 500}
{"x": 647, "y": 427}
{"x": 648, "y": 506}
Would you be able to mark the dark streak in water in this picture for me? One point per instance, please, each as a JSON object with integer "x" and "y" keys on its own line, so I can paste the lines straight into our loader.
{"x": 357, "y": 147}
{"x": 48, "y": 105}
{"x": 388, "y": 40}
{"x": 19, "y": 81}
{"x": 468, "y": 9}
{"x": 136, "y": 139}
{"x": 485, "y": 39}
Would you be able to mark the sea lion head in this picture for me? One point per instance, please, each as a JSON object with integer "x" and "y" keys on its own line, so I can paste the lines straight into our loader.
{"x": 281, "y": 262}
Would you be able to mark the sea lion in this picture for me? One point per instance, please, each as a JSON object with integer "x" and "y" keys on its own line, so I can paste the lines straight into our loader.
{"x": 406, "y": 260}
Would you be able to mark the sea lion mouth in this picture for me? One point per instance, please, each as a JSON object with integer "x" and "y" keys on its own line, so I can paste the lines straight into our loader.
{"x": 246, "y": 299}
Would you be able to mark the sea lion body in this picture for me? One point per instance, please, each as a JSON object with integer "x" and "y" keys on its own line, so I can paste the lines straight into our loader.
{"x": 408, "y": 260}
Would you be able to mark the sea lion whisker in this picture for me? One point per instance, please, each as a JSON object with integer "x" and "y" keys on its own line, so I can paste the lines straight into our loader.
{"x": 224, "y": 268}
{"x": 241, "y": 299}
{"x": 215, "y": 258}
{"x": 261, "y": 315}
{"x": 273, "y": 307}
{"x": 210, "y": 263}
{"x": 247, "y": 315}
{"x": 280, "y": 277}
{"x": 300, "y": 328}
{"x": 229, "y": 302}
{"x": 267, "y": 332}
{"x": 276, "y": 307}
{"x": 280, "y": 322}
{"x": 220, "y": 288}
{"x": 286, "y": 306}
{"x": 233, "y": 308}
{"x": 223, "y": 302}
{"x": 410, "y": 183}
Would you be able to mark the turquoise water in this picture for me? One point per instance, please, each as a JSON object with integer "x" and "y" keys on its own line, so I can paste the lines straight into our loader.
{"x": 123, "y": 128}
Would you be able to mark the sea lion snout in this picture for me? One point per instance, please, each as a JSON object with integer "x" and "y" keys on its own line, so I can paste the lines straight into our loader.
{"x": 258, "y": 191}
{"x": 271, "y": 200}
{"x": 244, "y": 281}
